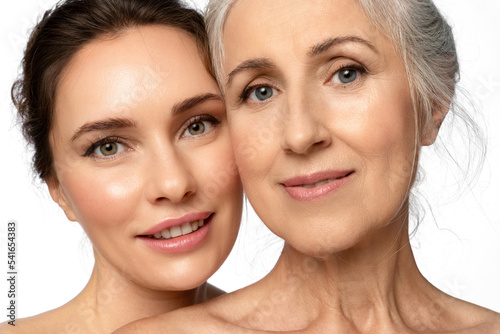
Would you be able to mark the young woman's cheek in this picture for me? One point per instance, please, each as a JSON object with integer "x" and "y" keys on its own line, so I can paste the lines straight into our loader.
{"x": 103, "y": 197}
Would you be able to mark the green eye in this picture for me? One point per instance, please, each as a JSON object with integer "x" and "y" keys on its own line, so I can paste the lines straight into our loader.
{"x": 196, "y": 128}
{"x": 109, "y": 149}
{"x": 199, "y": 126}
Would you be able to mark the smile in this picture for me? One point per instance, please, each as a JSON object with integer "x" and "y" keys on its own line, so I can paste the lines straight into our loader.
{"x": 181, "y": 234}
{"x": 177, "y": 231}
{"x": 316, "y": 185}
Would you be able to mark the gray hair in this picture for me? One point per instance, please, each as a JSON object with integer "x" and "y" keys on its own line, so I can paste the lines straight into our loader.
{"x": 420, "y": 33}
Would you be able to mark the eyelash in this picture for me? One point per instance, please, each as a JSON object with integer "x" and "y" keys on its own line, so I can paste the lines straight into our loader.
{"x": 107, "y": 140}
{"x": 113, "y": 139}
{"x": 248, "y": 90}
{"x": 201, "y": 118}
{"x": 359, "y": 68}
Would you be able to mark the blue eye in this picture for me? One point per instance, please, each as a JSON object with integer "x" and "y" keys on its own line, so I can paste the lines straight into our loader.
{"x": 109, "y": 149}
{"x": 345, "y": 76}
{"x": 262, "y": 93}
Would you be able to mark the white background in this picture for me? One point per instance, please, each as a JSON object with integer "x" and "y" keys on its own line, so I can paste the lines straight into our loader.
{"x": 457, "y": 248}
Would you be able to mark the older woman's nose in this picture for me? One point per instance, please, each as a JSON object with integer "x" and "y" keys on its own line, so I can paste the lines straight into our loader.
{"x": 303, "y": 130}
{"x": 168, "y": 178}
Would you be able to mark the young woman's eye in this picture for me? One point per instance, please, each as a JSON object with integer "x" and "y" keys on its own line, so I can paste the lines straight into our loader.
{"x": 197, "y": 128}
{"x": 262, "y": 93}
{"x": 105, "y": 148}
{"x": 109, "y": 149}
{"x": 200, "y": 125}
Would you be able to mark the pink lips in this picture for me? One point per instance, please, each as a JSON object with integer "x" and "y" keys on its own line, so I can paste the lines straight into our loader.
{"x": 167, "y": 223}
{"x": 316, "y": 185}
{"x": 181, "y": 243}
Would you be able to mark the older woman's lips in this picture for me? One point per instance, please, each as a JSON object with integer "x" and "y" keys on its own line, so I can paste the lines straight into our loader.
{"x": 317, "y": 185}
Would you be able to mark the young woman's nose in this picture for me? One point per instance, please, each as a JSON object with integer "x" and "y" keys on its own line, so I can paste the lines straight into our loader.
{"x": 168, "y": 178}
{"x": 303, "y": 127}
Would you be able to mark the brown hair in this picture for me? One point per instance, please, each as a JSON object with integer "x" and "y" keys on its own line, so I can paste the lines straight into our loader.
{"x": 61, "y": 33}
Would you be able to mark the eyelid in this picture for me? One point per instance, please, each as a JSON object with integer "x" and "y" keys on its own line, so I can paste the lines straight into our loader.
{"x": 245, "y": 94}
{"x": 348, "y": 66}
{"x": 106, "y": 140}
{"x": 196, "y": 119}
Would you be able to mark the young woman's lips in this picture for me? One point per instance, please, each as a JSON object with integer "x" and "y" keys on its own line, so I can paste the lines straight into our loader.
{"x": 179, "y": 235}
{"x": 316, "y": 185}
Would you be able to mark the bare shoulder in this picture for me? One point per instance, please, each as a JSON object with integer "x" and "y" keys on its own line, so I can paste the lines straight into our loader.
{"x": 9, "y": 327}
{"x": 192, "y": 319}
{"x": 480, "y": 320}
{"x": 208, "y": 317}
{"x": 489, "y": 322}
{"x": 47, "y": 322}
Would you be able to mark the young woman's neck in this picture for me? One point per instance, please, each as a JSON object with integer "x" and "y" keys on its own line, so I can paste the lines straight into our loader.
{"x": 375, "y": 287}
{"x": 110, "y": 300}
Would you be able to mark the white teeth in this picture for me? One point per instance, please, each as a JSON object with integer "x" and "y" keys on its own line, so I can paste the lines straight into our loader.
{"x": 194, "y": 225}
{"x": 166, "y": 234}
{"x": 317, "y": 184}
{"x": 186, "y": 228}
{"x": 176, "y": 231}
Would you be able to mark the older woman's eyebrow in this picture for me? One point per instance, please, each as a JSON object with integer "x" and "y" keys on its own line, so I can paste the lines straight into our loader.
{"x": 194, "y": 101}
{"x": 256, "y": 63}
{"x": 328, "y": 43}
{"x": 107, "y": 124}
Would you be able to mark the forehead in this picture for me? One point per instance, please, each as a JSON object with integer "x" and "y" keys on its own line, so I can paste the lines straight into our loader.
{"x": 134, "y": 71}
{"x": 255, "y": 26}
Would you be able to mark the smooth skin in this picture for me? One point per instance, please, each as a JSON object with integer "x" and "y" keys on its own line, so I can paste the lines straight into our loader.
{"x": 313, "y": 86}
{"x": 166, "y": 153}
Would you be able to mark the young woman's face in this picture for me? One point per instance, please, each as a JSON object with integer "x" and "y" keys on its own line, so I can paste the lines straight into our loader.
{"x": 143, "y": 158}
{"x": 321, "y": 120}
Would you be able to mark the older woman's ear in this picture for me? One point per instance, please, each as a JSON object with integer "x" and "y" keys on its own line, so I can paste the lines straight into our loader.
{"x": 439, "y": 112}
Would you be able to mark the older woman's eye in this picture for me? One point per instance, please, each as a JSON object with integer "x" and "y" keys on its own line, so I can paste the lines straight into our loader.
{"x": 262, "y": 93}
{"x": 347, "y": 75}
{"x": 109, "y": 149}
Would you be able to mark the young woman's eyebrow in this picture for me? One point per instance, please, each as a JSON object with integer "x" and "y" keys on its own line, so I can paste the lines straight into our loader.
{"x": 335, "y": 41}
{"x": 194, "y": 101}
{"x": 107, "y": 124}
{"x": 250, "y": 64}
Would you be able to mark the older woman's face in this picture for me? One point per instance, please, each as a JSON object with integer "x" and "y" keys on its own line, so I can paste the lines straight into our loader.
{"x": 321, "y": 120}
{"x": 143, "y": 158}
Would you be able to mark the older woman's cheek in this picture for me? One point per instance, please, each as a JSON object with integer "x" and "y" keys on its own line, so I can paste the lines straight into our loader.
{"x": 109, "y": 198}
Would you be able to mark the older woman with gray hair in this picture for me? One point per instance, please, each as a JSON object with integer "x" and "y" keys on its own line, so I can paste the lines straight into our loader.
{"x": 329, "y": 103}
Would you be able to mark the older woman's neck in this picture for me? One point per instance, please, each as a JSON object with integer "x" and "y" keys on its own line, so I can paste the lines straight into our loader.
{"x": 374, "y": 287}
